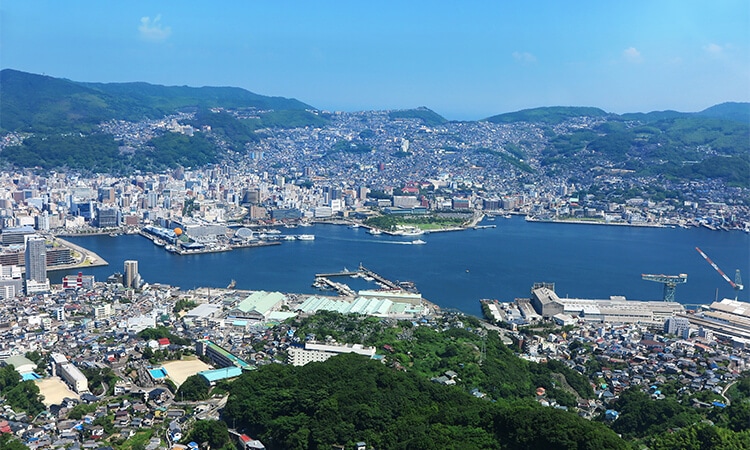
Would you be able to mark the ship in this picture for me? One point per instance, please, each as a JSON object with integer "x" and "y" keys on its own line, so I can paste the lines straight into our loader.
{"x": 232, "y": 284}
{"x": 306, "y": 237}
{"x": 374, "y": 231}
{"x": 418, "y": 242}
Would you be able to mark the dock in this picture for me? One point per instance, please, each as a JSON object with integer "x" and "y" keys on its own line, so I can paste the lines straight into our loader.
{"x": 342, "y": 289}
{"x": 363, "y": 272}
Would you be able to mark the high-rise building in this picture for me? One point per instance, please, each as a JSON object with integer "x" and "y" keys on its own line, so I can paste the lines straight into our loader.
{"x": 36, "y": 265}
{"x": 131, "y": 278}
{"x": 36, "y": 259}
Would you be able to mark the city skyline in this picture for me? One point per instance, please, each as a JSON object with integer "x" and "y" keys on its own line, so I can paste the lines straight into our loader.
{"x": 466, "y": 64}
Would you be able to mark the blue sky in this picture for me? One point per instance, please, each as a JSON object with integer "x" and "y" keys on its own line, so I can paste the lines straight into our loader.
{"x": 465, "y": 60}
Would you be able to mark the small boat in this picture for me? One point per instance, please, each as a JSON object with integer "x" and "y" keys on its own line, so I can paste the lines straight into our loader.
{"x": 306, "y": 237}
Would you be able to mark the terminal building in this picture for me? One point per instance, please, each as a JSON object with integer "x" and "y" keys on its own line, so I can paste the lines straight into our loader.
{"x": 615, "y": 310}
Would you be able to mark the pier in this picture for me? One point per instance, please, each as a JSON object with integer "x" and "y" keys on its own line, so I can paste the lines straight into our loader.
{"x": 364, "y": 272}
{"x": 342, "y": 289}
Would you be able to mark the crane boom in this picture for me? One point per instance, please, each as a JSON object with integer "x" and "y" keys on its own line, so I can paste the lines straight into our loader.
{"x": 713, "y": 264}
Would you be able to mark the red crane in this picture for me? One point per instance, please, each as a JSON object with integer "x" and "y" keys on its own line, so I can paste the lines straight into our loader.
{"x": 736, "y": 284}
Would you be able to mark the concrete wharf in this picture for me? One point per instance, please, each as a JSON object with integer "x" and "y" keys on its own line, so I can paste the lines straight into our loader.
{"x": 365, "y": 272}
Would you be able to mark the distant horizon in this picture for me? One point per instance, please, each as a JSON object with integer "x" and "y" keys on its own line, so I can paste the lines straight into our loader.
{"x": 372, "y": 109}
{"x": 466, "y": 61}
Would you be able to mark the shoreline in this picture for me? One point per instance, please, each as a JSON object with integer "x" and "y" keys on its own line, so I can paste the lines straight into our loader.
{"x": 591, "y": 222}
{"x": 90, "y": 259}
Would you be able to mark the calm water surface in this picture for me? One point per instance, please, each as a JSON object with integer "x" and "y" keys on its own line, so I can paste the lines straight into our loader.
{"x": 456, "y": 269}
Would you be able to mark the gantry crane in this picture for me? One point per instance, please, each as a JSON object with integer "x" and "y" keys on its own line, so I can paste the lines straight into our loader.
{"x": 736, "y": 284}
{"x": 670, "y": 283}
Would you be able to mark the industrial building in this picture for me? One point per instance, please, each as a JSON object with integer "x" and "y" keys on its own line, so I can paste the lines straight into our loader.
{"x": 258, "y": 305}
{"x": 727, "y": 318}
{"x": 615, "y": 310}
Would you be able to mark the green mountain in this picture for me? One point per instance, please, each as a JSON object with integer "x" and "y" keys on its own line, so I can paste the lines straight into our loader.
{"x": 667, "y": 147}
{"x": 548, "y": 115}
{"x": 739, "y": 112}
{"x": 426, "y": 115}
{"x": 350, "y": 398}
{"x": 38, "y": 103}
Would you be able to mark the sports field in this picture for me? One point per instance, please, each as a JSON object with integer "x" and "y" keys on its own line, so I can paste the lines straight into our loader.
{"x": 54, "y": 390}
{"x": 178, "y": 371}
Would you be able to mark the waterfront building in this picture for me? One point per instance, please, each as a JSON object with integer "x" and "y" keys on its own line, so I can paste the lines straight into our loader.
{"x": 36, "y": 265}
{"x": 615, "y": 310}
{"x": 36, "y": 259}
{"x": 108, "y": 217}
{"x": 17, "y": 235}
{"x": 727, "y": 318}
{"x": 258, "y": 305}
{"x": 131, "y": 279}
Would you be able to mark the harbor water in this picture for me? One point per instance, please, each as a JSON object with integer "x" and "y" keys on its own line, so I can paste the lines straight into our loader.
{"x": 456, "y": 269}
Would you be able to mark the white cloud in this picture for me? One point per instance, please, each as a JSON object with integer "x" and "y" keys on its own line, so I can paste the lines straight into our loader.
{"x": 632, "y": 55}
{"x": 152, "y": 30}
{"x": 713, "y": 49}
{"x": 524, "y": 57}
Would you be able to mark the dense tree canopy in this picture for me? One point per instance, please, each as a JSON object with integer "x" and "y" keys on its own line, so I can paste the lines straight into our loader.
{"x": 350, "y": 398}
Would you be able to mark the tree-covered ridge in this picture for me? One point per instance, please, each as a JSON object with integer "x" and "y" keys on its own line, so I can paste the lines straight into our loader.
{"x": 289, "y": 119}
{"x": 350, "y": 398}
{"x": 459, "y": 344}
{"x": 100, "y": 153}
{"x": 548, "y": 115}
{"x": 737, "y": 111}
{"x": 94, "y": 152}
{"x": 175, "y": 97}
{"x": 42, "y": 104}
{"x": 686, "y": 147}
{"x": 426, "y": 115}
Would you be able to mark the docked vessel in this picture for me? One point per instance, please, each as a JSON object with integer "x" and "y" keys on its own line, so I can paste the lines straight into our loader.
{"x": 374, "y": 231}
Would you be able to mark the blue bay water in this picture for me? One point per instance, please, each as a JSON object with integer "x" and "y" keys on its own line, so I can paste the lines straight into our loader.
{"x": 456, "y": 269}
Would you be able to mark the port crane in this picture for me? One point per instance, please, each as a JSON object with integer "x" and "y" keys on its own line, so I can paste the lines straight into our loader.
{"x": 670, "y": 283}
{"x": 736, "y": 284}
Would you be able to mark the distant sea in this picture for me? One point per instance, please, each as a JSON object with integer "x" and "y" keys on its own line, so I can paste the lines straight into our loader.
{"x": 457, "y": 269}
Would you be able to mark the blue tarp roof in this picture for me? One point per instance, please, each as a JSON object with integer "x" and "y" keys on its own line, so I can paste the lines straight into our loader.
{"x": 221, "y": 374}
